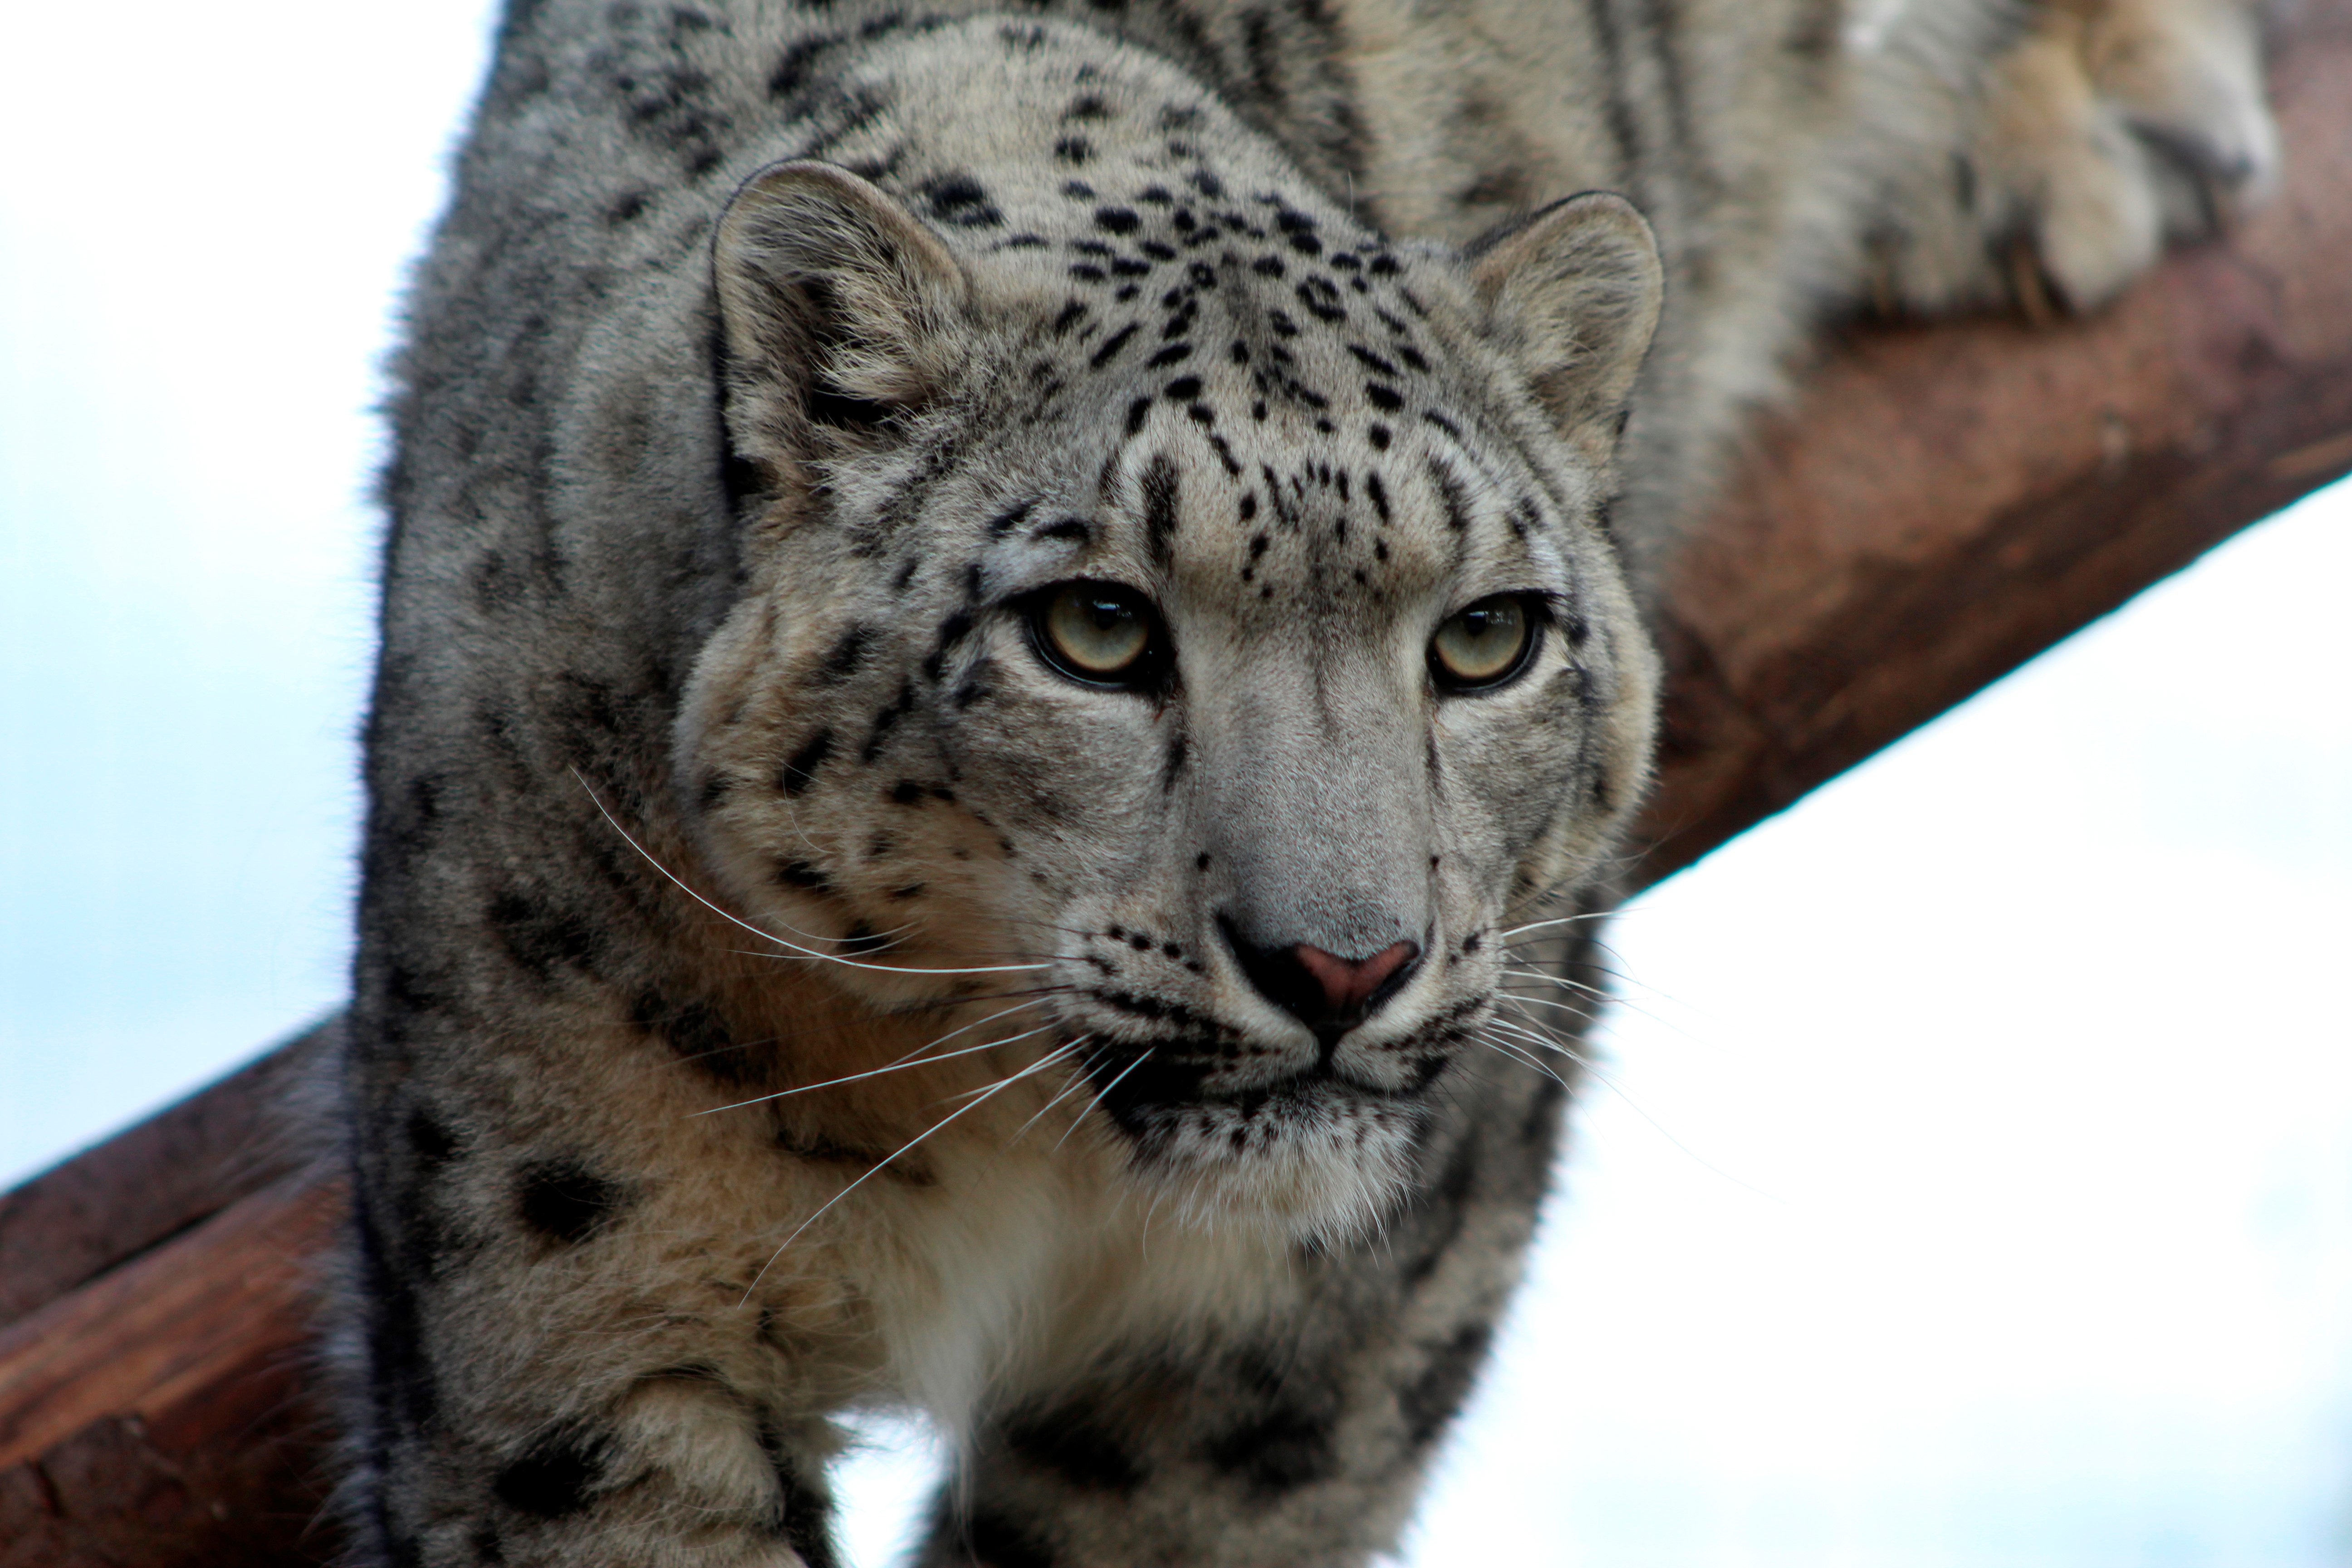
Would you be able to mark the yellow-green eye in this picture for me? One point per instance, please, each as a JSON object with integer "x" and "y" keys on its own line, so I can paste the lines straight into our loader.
{"x": 1095, "y": 632}
{"x": 1484, "y": 645}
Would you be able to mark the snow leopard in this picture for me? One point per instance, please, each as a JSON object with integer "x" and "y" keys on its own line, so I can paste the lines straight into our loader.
{"x": 1013, "y": 674}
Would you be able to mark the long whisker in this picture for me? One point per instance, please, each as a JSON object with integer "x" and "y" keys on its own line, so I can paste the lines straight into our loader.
{"x": 1563, "y": 920}
{"x": 1007, "y": 1040}
{"x": 1638, "y": 1109}
{"x": 767, "y": 936}
{"x": 1515, "y": 1053}
{"x": 1545, "y": 977}
{"x": 1569, "y": 1008}
{"x": 994, "y": 1090}
{"x": 912, "y": 1058}
{"x": 1099, "y": 1094}
{"x": 1542, "y": 1043}
{"x": 1060, "y": 1095}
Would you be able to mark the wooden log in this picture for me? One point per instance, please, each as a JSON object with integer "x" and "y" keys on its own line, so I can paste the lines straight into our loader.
{"x": 148, "y": 1184}
{"x": 161, "y": 1415}
{"x": 1940, "y": 505}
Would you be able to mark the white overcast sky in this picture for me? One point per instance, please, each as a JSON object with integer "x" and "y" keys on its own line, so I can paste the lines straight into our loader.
{"x": 1976, "y": 1184}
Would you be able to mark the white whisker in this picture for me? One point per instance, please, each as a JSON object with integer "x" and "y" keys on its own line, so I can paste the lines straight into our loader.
{"x": 1563, "y": 920}
{"x": 1098, "y": 1099}
{"x": 912, "y": 1058}
{"x": 1059, "y": 1095}
{"x": 994, "y": 1090}
{"x": 767, "y": 936}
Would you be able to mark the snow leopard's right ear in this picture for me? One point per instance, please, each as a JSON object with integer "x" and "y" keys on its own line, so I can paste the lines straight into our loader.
{"x": 841, "y": 310}
{"x": 1573, "y": 293}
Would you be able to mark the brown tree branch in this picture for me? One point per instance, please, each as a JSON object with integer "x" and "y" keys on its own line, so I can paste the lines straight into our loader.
{"x": 1942, "y": 504}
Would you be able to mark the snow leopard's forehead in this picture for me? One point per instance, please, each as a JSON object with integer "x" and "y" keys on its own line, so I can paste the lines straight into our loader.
{"x": 1187, "y": 358}
{"x": 1234, "y": 400}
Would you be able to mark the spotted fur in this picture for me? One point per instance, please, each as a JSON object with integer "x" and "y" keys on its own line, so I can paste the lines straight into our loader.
{"x": 787, "y": 984}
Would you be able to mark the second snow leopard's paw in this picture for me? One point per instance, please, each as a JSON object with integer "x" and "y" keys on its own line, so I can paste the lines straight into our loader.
{"x": 2107, "y": 129}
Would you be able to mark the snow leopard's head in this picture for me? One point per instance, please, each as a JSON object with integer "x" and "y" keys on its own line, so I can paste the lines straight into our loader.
{"x": 1189, "y": 595}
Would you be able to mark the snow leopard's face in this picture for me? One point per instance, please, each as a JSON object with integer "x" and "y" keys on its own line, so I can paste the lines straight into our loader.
{"x": 1238, "y": 653}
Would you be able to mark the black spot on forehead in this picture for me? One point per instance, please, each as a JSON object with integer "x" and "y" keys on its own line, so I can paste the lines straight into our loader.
{"x": 958, "y": 199}
{"x": 1116, "y": 220}
{"x": 1321, "y": 298}
{"x": 1159, "y": 484}
{"x": 1452, "y": 494}
{"x": 1111, "y": 345}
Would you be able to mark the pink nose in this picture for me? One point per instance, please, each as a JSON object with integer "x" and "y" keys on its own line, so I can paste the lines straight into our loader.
{"x": 1348, "y": 982}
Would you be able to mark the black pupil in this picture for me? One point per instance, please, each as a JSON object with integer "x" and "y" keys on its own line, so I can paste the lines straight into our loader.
{"x": 1107, "y": 614}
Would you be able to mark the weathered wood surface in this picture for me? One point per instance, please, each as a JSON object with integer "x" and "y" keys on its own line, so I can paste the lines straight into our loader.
{"x": 1941, "y": 505}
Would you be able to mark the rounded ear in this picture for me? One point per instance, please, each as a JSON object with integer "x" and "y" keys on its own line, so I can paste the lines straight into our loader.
{"x": 1573, "y": 293}
{"x": 840, "y": 309}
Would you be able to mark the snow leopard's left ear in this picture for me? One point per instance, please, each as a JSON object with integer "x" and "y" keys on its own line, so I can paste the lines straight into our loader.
{"x": 842, "y": 310}
{"x": 1572, "y": 294}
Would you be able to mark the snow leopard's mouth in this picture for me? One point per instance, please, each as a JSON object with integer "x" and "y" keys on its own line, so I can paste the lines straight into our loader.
{"x": 1140, "y": 1088}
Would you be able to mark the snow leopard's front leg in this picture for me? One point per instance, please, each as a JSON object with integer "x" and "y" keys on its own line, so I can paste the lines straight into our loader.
{"x": 1299, "y": 1438}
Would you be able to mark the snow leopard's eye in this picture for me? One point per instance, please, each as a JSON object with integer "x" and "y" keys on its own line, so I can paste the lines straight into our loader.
{"x": 1487, "y": 644}
{"x": 1099, "y": 633}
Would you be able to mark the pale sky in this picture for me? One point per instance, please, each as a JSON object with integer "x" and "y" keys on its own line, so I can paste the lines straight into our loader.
{"x": 1976, "y": 1182}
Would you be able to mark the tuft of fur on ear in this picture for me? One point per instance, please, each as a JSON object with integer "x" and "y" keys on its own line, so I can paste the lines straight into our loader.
{"x": 840, "y": 311}
{"x": 1572, "y": 294}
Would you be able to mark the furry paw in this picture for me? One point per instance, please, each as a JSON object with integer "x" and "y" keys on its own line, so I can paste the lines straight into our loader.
{"x": 2109, "y": 128}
